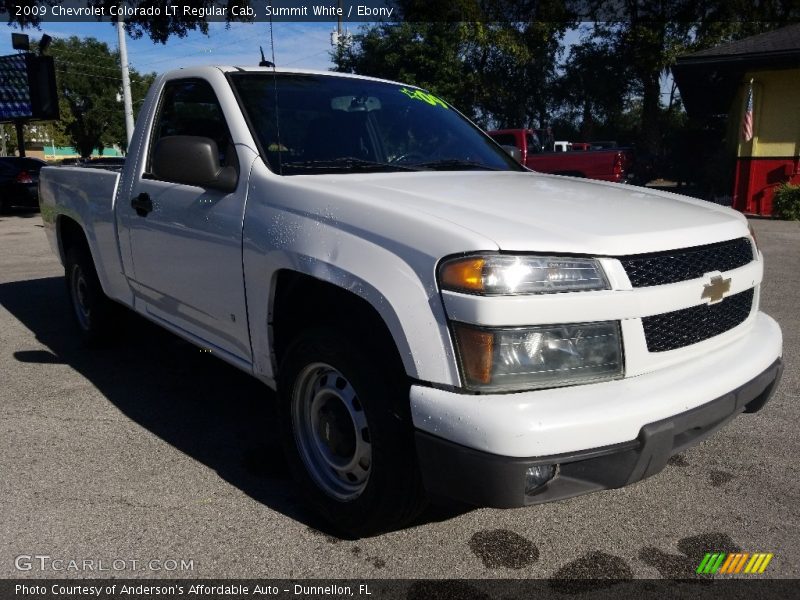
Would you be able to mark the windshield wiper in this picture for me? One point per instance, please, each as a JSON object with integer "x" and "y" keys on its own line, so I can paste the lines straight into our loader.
{"x": 347, "y": 163}
{"x": 454, "y": 164}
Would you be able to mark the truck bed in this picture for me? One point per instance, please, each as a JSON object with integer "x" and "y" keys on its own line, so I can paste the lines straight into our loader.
{"x": 592, "y": 164}
{"x": 87, "y": 196}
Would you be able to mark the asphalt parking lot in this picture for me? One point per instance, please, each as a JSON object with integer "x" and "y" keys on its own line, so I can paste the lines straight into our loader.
{"x": 154, "y": 451}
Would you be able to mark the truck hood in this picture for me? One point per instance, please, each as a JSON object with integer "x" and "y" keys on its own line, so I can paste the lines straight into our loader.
{"x": 547, "y": 213}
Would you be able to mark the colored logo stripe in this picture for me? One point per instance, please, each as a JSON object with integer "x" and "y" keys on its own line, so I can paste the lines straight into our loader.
{"x": 711, "y": 562}
{"x": 721, "y": 562}
{"x": 734, "y": 563}
{"x": 758, "y": 564}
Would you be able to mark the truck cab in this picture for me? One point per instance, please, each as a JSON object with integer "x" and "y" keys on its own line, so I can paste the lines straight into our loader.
{"x": 437, "y": 321}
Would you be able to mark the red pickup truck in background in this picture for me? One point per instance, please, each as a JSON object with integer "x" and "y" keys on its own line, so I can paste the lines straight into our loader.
{"x": 615, "y": 164}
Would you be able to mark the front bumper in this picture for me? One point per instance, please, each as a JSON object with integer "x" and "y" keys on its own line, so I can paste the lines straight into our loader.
{"x": 571, "y": 419}
{"x": 460, "y": 473}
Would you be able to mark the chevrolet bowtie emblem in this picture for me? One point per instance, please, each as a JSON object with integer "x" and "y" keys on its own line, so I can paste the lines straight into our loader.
{"x": 715, "y": 290}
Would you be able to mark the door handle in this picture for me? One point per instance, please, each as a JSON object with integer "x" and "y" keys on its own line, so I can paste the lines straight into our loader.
{"x": 142, "y": 204}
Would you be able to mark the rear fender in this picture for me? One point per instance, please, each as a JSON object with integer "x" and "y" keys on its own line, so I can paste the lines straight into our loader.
{"x": 86, "y": 198}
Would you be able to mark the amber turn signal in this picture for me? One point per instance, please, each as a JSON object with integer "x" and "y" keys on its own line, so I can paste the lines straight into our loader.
{"x": 465, "y": 274}
{"x": 476, "y": 348}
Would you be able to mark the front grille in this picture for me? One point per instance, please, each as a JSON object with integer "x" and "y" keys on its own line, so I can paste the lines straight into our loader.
{"x": 688, "y": 263}
{"x": 687, "y": 326}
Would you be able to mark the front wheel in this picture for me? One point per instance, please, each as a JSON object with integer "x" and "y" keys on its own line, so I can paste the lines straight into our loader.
{"x": 351, "y": 453}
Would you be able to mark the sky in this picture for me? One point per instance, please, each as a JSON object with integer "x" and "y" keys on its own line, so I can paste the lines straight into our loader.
{"x": 300, "y": 45}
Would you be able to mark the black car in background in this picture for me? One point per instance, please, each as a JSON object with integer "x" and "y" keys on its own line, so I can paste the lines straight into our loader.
{"x": 19, "y": 181}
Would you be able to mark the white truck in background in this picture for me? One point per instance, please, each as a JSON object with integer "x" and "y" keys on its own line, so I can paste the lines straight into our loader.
{"x": 437, "y": 320}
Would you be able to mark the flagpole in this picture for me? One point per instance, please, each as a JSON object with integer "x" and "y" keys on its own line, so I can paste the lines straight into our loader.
{"x": 748, "y": 118}
{"x": 751, "y": 201}
{"x": 753, "y": 149}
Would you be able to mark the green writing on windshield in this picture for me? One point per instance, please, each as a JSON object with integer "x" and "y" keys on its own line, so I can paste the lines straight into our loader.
{"x": 424, "y": 96}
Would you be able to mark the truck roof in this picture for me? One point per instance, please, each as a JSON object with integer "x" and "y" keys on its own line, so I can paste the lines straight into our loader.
{"x": 251, "y": 69}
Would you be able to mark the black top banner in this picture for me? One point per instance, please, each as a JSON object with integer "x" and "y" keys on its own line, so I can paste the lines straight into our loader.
{"x": 34, "y": 12}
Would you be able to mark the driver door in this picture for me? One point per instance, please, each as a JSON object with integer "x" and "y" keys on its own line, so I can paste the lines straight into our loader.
{"x": 187, "y": 249}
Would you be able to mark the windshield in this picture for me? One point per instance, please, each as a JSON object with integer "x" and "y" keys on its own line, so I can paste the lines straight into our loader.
{"x": 328, "y": 124}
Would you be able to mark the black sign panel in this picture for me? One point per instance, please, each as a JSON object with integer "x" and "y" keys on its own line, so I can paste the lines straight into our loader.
{"x": 27, "y": 88}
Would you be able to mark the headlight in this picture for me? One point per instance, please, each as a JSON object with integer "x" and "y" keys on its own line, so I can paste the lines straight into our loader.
{"x": 516, "y": 359}
{"x": 501, "y": 274}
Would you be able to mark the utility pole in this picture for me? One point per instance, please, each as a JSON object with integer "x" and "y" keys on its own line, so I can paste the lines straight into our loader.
{"x": 340, "y": 39}
{"x": 126, "y": 80}
{"x": 20, "y": 137}
{"x": 339, "y": 22}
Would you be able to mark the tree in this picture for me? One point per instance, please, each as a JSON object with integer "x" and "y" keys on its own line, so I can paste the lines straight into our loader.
{"x": 89, "y": 84}
{"x": 498, "y": 72}
{"x": 116, "y": 134}
{"x": 592, "y": 88}
{"x": 647, "y": 37}
{"x": 518, "y": 66}
{"x": 429, "y": 55}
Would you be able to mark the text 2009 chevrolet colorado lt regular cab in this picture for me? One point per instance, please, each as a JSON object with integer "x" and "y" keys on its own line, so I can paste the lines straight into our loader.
{"x": 437, "y": 320}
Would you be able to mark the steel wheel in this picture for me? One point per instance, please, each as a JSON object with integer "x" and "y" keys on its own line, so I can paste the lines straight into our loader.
{"x": 347, "y": 443}
{"x": 79, "y": 289}
{"x": 331, "y": 431}
{"x": 94, "y": 312}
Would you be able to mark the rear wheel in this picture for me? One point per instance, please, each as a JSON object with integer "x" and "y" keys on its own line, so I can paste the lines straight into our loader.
{"x": 93, "y": 311}
{"x": 351, "y": 453}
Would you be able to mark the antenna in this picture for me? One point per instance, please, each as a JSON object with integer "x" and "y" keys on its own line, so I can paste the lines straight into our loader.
{"x": 275, "y": 90}
{"x": 264, "y": 62}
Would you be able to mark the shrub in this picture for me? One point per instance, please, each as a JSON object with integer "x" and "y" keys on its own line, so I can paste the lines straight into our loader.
{"x": 786, "y": 204}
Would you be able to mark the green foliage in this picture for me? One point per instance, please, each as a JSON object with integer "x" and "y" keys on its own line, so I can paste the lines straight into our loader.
{"x": 592, "y": 89}
{"x": 88, "y": 81}
{"x": 497, "y": 73}
{"x": 8, "y": 140}
{"x": 634, "y": 51}
{"x": 89, "y": 84}
{"x": 786, "y": 202}
{"x": 34, "y": 131}
{"x": 424, "y": 54}
{"x": 503, "y": 67}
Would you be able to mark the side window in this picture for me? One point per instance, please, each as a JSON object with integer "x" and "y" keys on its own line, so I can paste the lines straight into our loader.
{"x": 533, "y": 143}
{"x": 505, "y": 139}
{"x": 190, "y": 107}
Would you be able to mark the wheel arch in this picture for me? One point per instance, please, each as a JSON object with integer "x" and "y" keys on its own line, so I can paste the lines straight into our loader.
{"x": 102, "y": 248}
{"x": 300, "y": 301}
{"x": 68, "y": 233}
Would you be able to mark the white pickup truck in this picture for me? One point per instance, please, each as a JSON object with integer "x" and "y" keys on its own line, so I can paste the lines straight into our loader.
{"x": 437, "y": 320}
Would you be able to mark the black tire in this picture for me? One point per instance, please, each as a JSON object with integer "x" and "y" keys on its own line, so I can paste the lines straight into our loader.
{"x": 93, "y": 312}
{"x": 362, "y": 393}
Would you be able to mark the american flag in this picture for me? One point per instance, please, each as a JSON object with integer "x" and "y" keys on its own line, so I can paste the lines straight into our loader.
{"x": 747, "y": 122}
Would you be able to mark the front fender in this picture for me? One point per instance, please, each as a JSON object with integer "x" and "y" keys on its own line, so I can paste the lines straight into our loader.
{"x": 402, "y": 290}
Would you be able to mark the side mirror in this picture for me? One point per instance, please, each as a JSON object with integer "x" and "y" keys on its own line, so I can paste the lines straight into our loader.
{"x": 192, "y": 160}
{"x": 513, "y": 152}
